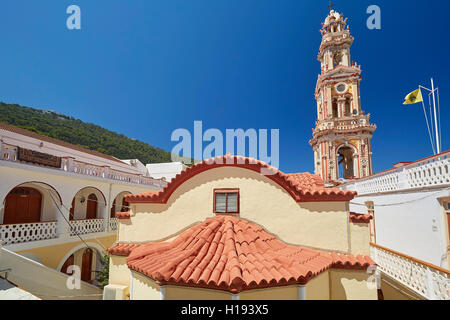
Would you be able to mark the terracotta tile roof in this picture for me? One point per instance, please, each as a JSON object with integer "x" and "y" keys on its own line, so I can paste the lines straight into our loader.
{"x": 31, "y": 134}
{"x": 122, "y": 249}
{"x": 232, "y": 254}
{"x": 306, "y": 180}
{"x": 360, "y": 218}
{"x": 123, "y": 215}
{"x": 350, "y": 261}
{"x": 303, "y": 187}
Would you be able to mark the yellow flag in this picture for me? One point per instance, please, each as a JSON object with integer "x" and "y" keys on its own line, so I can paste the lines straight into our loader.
{"x": 414, "y": 97}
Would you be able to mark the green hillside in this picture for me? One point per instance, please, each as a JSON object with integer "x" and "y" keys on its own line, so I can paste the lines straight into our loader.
{"x": 80, "y": 133}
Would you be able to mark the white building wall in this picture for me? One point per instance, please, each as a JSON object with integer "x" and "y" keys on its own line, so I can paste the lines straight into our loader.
{"x": 412, "y": 223}
{"x": 168, "y": 171}
{"x": 23, "y": 141}
{"x": 62, "y": 185}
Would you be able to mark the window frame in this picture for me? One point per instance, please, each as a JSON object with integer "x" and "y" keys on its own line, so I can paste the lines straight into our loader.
{"x": 370, "y": 206}
{"x": 226, "y": 191}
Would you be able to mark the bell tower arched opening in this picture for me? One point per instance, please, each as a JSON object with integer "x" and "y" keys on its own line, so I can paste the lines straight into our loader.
{"x": 346, "y": 162}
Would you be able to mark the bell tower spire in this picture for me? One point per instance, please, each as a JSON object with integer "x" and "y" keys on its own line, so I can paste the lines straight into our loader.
{"x": 342, "y": 136}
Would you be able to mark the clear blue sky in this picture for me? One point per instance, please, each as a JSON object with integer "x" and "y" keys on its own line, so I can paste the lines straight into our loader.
{"x": 144, "y": 68}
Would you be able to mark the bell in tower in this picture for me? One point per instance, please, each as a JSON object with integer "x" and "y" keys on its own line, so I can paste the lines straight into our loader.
{"x": 342, "y": 136}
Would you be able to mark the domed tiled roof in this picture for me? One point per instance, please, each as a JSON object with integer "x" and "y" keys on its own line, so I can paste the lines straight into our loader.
{"x": 232, "y": 254}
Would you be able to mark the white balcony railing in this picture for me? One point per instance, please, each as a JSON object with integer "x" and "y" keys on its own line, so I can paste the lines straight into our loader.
{"x": 112, "y": 224}
{"x": 86, "y": 226}
{"x": 428, "y": 281}
{"x": 25, "y": 232}
{"x": 68, "y": 164}
{"x": 433, "y": 171}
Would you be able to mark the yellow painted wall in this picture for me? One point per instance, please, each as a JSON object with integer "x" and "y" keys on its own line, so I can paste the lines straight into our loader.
{"x": 334, "y": 285}
{"x": 144, "y": 288}
{"x": 118, "y": 271}
{"x": 187, "y": 293}
{"x": 351, "y": 285}
{"x": 319, "y": 287}
{"x": 317, "y": 224}
{"x": 393, "y": 290}
{"x": 52, "y": 256}
{"x": 360, "y": 238}
{"x": 278, "y": 293}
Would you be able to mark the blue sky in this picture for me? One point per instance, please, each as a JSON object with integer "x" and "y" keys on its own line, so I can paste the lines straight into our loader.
{"x": 145, "y": 68}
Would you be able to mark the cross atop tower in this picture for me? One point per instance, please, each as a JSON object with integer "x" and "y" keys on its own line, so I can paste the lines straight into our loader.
{"x": 331, "y": 5}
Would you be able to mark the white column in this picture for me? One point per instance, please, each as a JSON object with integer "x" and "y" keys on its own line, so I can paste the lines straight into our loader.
{"x": 70, "y": 164}
{"x": 301, "y": 292}
{"x": 63, "y": 220}
{"x": 235, "y": 296}
{"x": 131, "y": 285}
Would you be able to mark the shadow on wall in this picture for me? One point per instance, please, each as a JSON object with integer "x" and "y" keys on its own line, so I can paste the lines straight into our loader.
{"x": 351, "y": 285}
{"x": 32, "y": 256}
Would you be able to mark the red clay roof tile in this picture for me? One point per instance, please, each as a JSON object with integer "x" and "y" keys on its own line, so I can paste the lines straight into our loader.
{"x": 122, "y": 249}
{"x": 232, "y": 254}
{"x": 306, "y": 180}
{"x": 360, "y": 218}
{"x": 123, "y": 215}
{"x": 303, "y": 187}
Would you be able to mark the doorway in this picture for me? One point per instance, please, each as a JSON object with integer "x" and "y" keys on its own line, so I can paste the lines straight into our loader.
{"x": 22, "y": 205}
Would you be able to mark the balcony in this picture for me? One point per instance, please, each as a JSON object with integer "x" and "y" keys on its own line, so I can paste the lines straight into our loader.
{"x": 86, "y": 226}
{"x": 344, "y": 123}
{"x": 429, "y": 172}
{"x": 68, "y": 164}
{"x": 25, "y": 232}
{"x": 428, "y": 281}
{"x": 113, "y": 224}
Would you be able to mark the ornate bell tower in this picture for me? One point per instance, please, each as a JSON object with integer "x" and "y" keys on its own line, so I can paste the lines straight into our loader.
{"x": 343, "y": 133}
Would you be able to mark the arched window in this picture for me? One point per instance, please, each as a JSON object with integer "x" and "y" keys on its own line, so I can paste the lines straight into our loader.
{"x": 346, "y": 163}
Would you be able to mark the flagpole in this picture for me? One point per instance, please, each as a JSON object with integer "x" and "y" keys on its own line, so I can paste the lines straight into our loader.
{"x": 428, "y": 126}
{"x": 438, "y": 149}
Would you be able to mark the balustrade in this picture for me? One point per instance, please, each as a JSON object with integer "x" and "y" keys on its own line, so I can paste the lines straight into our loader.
{"x": 113, "y": 224}
{"x": 86, "y": 226}
{"x": 25, "y": 232}
{"x": 433, "y": 171}
{"x": 68, "y": 164}
{"x": 430, "y": 282}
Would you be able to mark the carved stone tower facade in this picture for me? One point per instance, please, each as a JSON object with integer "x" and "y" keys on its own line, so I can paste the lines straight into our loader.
{"x": 342, "y": 137}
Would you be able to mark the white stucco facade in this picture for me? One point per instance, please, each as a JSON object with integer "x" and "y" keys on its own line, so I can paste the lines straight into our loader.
{"x": 68, "y": 182}
{"x": 408, "y": 203}
{"x": 168, "y": 171}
